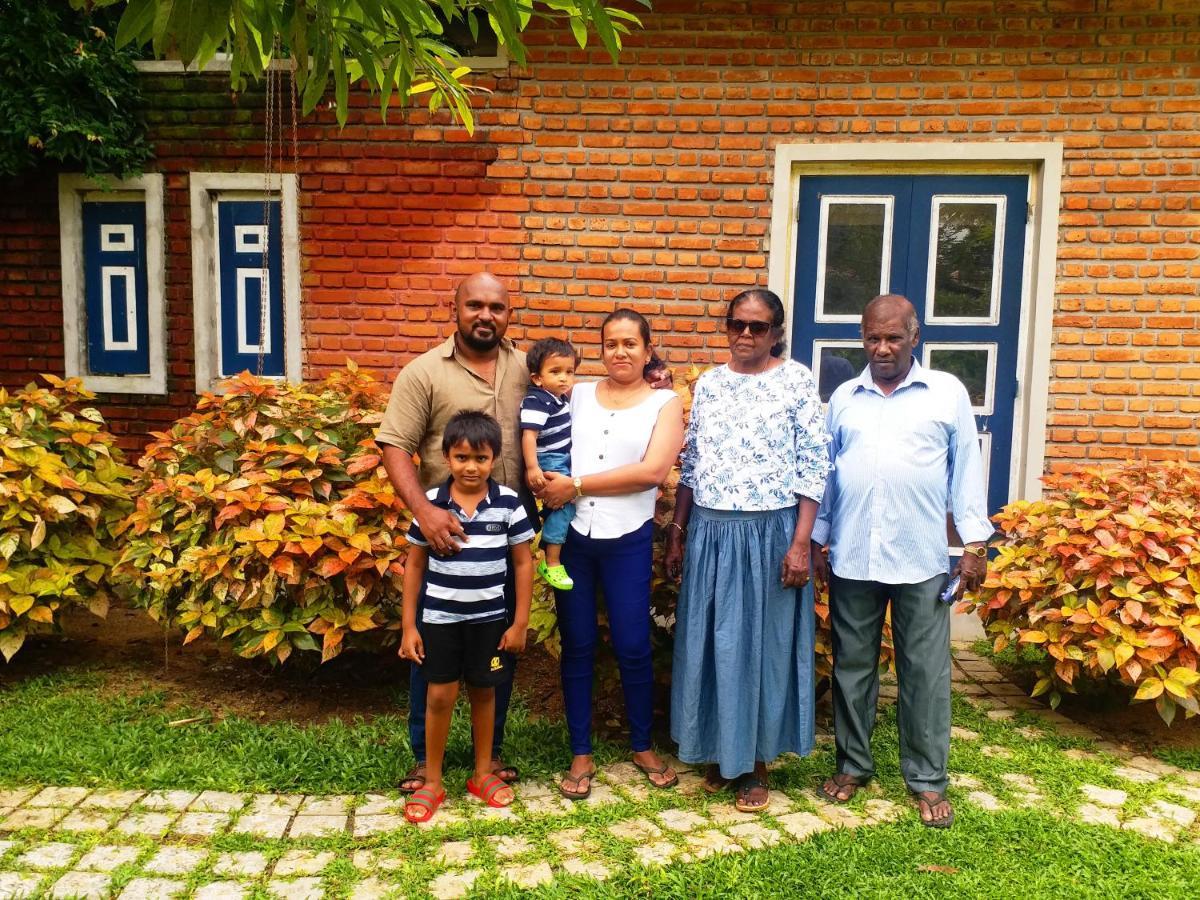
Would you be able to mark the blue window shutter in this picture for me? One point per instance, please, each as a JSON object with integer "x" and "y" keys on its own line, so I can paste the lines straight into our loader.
{"x": 115, "y": 294}
{"x": 240, "y": 236}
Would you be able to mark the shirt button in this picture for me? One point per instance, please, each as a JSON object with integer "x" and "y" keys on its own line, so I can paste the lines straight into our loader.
{"x": 602, "y": 456}
{"x": 591, "y": 503}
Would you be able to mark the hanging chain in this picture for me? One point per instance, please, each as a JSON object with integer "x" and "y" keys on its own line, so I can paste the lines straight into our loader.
{"x": 269, "y": 129}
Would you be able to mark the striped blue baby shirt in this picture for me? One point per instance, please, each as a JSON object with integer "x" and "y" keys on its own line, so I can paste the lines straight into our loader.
{"x": 469, "y": 586}
{"x": 550, "y": 417}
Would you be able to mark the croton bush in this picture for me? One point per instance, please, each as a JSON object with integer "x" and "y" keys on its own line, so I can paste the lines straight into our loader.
{"x": 1103, "y": 574}
{"x": 266, "y": 517}
{"x": 64, "y": 487}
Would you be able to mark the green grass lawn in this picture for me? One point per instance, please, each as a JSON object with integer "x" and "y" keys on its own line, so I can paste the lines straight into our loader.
{"x": 70, "y": 730}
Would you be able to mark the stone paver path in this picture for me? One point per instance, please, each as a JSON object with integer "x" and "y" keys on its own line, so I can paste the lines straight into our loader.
{"x": 62, "y": 841}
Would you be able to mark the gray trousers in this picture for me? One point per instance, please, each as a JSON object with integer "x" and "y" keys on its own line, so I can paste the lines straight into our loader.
{"x": 921, "y": 632}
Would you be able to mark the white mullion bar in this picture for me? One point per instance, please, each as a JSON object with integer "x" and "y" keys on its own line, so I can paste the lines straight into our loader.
{"x": 245, "y": 275}
{"x": 107, "y": 274}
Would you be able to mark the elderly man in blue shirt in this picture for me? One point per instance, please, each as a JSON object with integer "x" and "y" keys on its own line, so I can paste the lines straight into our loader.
{"x": 905, "y": 452}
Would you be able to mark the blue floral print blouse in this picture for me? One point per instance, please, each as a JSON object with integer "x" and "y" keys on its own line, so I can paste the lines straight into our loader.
{"x": 755, "y": 442}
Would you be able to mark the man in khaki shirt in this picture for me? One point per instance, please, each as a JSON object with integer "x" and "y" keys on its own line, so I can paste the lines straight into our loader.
{"x": 478, "y": 369}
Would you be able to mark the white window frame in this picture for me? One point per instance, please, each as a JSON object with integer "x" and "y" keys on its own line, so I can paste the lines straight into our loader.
{"x": 885, "y": 260}
{"x": 205, "y": 188}
{"x": 73, "y": 190}
{"x": 1000, "y": 204}
{"x": 989, "y": 395}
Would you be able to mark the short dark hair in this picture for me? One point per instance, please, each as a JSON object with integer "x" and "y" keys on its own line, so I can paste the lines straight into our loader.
{"x": 546, "y": 348}
{"x": 477, "y": 428}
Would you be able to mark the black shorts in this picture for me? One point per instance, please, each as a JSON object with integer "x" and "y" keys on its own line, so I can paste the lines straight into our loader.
{"x": 465, "y": 650}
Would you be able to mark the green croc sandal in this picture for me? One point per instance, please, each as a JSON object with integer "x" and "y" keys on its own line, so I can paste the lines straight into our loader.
{"x": 555, "y": 576}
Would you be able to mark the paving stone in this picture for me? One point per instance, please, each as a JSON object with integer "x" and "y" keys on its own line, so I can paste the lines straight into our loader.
{"x": 372, "y": 889}
{"x": 984, "y": 800}
{"x": 546, "y": 806}
{"x": 175, "y": 861}
{"x": 1138, "y": 776}
{"x": 33, "y": 817}
{"x": 710, "y": 842}
{"x": 495, "y": 813}
{"x": 81, "y": 820}
{"x": 153, "y": 889}
{"x": 300, "y": 889}
{"x": 660, "y": 853}
{"x": 455, "y": 853}
{"x": 1173, "y": 812}
{"x": 878, "y": 811}
{"x": 970, "y": 690}
{"x": 1091, "y": 814}
{"x": 379, "y": 805}
{"x": 106, "y": 857}
{"x": 151, "y": 824}
{"x": 1081, "y": 755}
{"x": 965, "y": 781}
{"x": 248, "y": 864}
{"x": 690, "y": 784}
{"x": 390, "y": 860}
{"x": 681, "y": 820}
{"x": 569, "y": 841}
{"x": 637, "y": 791}
{"x": 1019, "y": 782}
{"x": 449, "y": 816}
{"x": 754, "y": 835}
{"x": 220, "y": 890}
{"x": 275, "y": 804}
{"x": 998, "y": 715}
{"x": 14, "y": 885}
{"x": 58, "y": 796}
{"x": 264, "y": 826}
{"x": 332, "y": 805}
{"x": 202, "y": 824}
{"x": 13, "y": 797}
{"x": 1030, "y": 733}
{"x": 728, "y": 814}
{"x": 622, "y": 773}
{"x": 996, "y": 752}
{"x": 1186, "y": 791}
{"x": 5, "y": 846}
{"x": 365, "y": 826}
{"x": 963, "y": 734}
{"x": 302, "y": 862}
{"x": 178, "y": 800}
{"x": 802, "y": 824}
{"x": 87, "y": 885}
{"x": 317, "y": 826}
{"x": 1104, "y": 796}
{"x": 508, "y": 846}
{"x": 219, "y": 801}
{"x": 839, "y": 816}
{"x": 452, "y": 885}
{"x": 586, "y": 869}
{"x": 115, "y": 800}
{"x": 635, "y": 830}
{"x": 1028, "y": 799}
{"x": 1149, "y": 764}
{"x": 1157, "y": 829}
{"x": 602, "y": 795}
{"x": 55, "y": 855}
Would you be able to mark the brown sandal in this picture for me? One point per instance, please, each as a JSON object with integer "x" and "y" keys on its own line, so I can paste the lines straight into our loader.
{"x": 747, "y": 785}
{"x": 575, "y": 780}
{"x": 842, "y": 780}
{"x": 714, "y": 782}
{"x": 660, "y": 770}
{"x": 413, "y": 780}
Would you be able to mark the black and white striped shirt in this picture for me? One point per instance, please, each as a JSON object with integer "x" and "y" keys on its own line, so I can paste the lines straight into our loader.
{"x": 550, "y": 417}
{"x": 469, "y": 586}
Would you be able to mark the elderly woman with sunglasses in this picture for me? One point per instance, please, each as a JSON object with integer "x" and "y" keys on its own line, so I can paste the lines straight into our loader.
{"x": 753, "y": 472}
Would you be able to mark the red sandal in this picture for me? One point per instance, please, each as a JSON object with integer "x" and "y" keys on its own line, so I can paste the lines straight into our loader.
{"x": 426, "y": 803}
{"x": 487, "y": 789}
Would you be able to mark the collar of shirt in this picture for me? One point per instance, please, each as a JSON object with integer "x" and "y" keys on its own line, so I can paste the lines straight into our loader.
{"x": 916, "y": 375}
{"x": 549, "y": 395}
{"x": 445, "y": 501}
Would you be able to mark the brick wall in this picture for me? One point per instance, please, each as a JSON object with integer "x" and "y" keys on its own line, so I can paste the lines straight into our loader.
{"x": 648, "y": 182}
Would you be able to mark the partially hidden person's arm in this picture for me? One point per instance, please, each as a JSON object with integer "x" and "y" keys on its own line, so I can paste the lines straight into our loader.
{"x": 968, "y": 501}
{"x": 533, "y": 472}
{"x": 676, "y": 530}
{"x": 442, "y": 528}
{"x": 415, "y": 564}
{"x": 522, "y": 561}
{"x": 654, "y": 466}
{"x": 797, "y": 562}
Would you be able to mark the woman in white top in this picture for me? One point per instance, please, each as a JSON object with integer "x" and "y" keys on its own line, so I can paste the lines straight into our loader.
{"x": 625, "y": 436}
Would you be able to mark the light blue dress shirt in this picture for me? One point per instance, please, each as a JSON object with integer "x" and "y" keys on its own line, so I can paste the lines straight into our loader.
{"x": 900, "y": 463}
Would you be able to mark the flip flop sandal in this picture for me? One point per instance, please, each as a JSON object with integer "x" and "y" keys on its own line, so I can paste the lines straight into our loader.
{"x": 506, "y": 773}
{"x": 843, "y": 781}
{"x": 661, "y": 770}
{"x": 745, "y": 786}
{"x": 426, "y": 802}
{"x": 714, "y": 787}
{"x": 487, "y": 789}
{"x": 413, "y": 776}
{"x": 575, "y": 780}
{"x": 930, "y": 804}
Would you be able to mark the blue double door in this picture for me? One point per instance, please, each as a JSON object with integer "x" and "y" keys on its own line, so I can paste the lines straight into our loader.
{"x": 954, "y": 245}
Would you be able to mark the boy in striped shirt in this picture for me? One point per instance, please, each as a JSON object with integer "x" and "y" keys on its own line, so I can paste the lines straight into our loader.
{"x": 546, "y": 442}
{"x": 464, "y": 625}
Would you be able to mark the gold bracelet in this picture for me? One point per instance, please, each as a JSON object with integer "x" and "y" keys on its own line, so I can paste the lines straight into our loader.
{"x": 682, "y": 530}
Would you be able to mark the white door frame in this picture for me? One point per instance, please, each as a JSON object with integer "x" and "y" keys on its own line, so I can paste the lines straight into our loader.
{"x": 1042, "y": 162}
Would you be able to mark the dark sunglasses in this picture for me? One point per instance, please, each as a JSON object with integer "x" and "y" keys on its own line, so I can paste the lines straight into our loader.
{"x": 739, "y": 326}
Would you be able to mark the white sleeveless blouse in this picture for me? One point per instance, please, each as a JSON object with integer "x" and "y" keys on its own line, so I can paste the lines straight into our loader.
{"x": 603, "y": 439}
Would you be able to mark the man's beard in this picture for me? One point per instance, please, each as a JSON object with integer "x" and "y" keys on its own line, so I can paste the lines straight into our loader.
{"x": 480, "y": 344}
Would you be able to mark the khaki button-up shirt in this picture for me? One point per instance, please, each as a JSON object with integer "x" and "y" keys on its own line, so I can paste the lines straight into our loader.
{"x": 438, "y": 384}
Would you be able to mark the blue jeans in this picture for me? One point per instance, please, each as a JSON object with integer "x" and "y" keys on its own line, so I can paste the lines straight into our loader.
{"x": 556, "y": 522}
{"x": 417, "y": 686}
{"x": 621, "y": 566}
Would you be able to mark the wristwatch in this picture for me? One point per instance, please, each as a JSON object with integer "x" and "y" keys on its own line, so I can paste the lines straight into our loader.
{"x": 980, "y": 551}
{"x": 578, "y": 482}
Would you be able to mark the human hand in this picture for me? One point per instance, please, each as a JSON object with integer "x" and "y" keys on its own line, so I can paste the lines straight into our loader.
{"x": 659, "y": 377}
{"x": 973, "y": 569}
{"x": 558, "y": 491}
{"x": 820, "y": 566}
{"x": 412, "y": 647}
{"x": 514, "y": 637}
{"x": 535, "y": 478}
{"x": 442, "y": 529}
{"x": 794, "y": 570}
{"x": 673, "y": 554}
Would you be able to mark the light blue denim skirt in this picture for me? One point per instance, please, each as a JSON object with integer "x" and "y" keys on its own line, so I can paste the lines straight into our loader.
{"x": 742, "y": 679}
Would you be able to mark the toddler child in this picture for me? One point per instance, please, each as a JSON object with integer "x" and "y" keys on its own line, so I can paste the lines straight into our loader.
{"x": 464, "y": 624}
{"x": 546, "y": 442}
